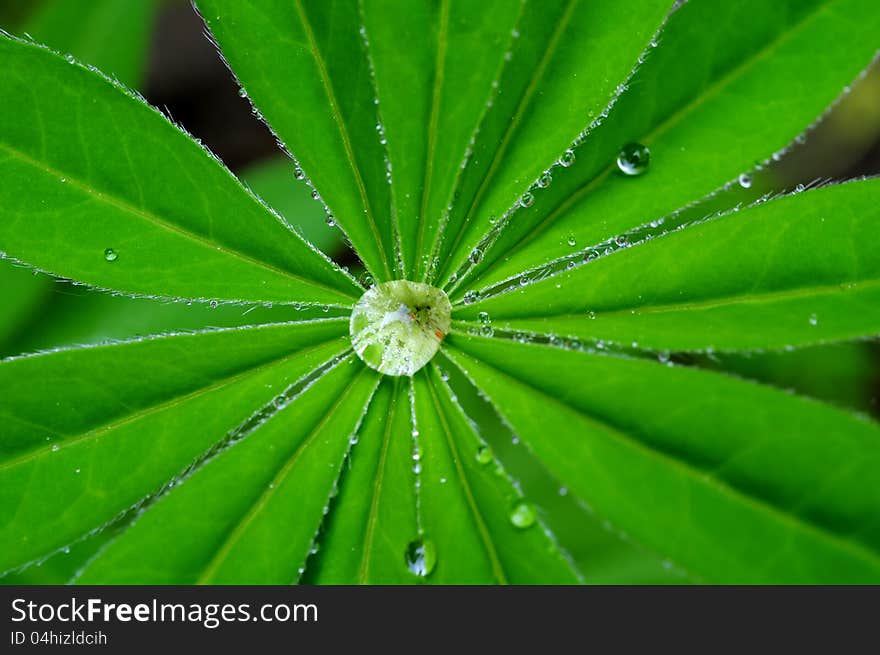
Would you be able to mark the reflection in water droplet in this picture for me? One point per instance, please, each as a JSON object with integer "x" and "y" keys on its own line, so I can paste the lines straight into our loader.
{"x": 634, "y": 159}
{"x": 421, "y": 557}
{"x": 523, "y": 515}
{"x": 545, "y": 180}
{"x": 476, "y": 256}
{"x": 484, "y": 455}
{"x": 110, "y": 255}
{"x": 567, "y": 159}
{"x": 745, "y": 181}
{"x": 527, "y": 199}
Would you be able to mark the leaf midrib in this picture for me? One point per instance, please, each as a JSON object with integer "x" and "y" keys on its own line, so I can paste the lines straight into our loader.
{"x": 713, "y": 303}
{"x": 153, "y": 219}
{"x": 363, "y": 569}
{"x": 860, "y": 550}
{"x": 343, "y": 134}
{"x": 485, "y": 536}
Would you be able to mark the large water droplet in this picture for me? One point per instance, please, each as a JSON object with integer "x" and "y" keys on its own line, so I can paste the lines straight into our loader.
{"x": 421, "y": 557}
{"x": 110, "y": 255}
{"x": 527, "y": 200}
{"x": 476, "y": 256}
{"x": 634, "y": 159}
{"x": 745, "y": 181}
{"x": 523, "y": 515}
{"x": 397, "y": 327}
{"x": 484, "y": 455}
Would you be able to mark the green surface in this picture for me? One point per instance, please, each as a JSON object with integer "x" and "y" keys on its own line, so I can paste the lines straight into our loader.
{"x": 798, "y": 271}
{"x": 731, "y": 481}
{"x": 729, "y": 85}
{"x": 270, "y": 453}
{"x": 171, "y": 231}
{"x": 102, "y": 428}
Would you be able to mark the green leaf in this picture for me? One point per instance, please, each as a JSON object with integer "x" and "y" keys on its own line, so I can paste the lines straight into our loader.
{"x": 376, "y": 506}
{"x": 466, "y": 506}
{"x": 733, "y": 481}
{"x": 563, "y": 71}
{"x": 112, "y": 35}
{"x": 97, "y": 169}
{"x": 303, "y": 64}
{"x": 273, "y": 181}
{"x": 800, "y": 270}
{"x": 256, "y": 525}
{"x": 710, "y": 103}
{"x": 432, "y": 100}
{"x": 80, "y": 316}
{"x": 96, "y": 430}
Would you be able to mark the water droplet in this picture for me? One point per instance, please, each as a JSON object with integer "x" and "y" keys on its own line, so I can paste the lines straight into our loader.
{"x": 55, "y": 448}
{"x": 242, "y": 93}
{"x": 563, "y": 491}
{"x": 421, "y": 557}
{"x": 331, "y": 222}
{"x": 572, "y": 241}
{"x": 484, "y": 318}
{"x": 523, "y": 515}
{"x": 814, "y": 320}
{"x": 745, "y": 181}
{"x": 471, "y": 297}
{"x": 567, "y": 158}
{"x": 799, "y": 188}
{"x": 633, "y": 159}
{"x": 545, "y": 180}
{"x": 77, "y": 470}
{"x": 213, "y": 304}
{"x": 487, "y": 331}
{"x": 110, "y": 255}
{"x": 527, "y": 200}
{"x": 298, "y": 173}
{"x": 70, "y": 59}
{"x": 476, "y": 256}
{"x": 484, "y": 455}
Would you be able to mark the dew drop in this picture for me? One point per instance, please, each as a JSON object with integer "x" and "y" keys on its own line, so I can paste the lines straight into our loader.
{"x": 484, "y": 318}
{"x": 814, "y": 320}
{"x": 213, "y": 304}
{"x": 745, "y": 181}
{"x": 633, "y": 159}
{"x": 545, "y": 180}
{"x": 110, "y": 255}
{"x": 55, "y": 448}
{"x": 471, "y": 297}
{"x": 799, "y": 188}
{"x": 242, "y": 93}
{"x": 523, "y": 515}
{"x": 527, "y": 200}
{"x": 572, "y": 241}
{"x": 421, "y": 557}
{"x": 567, "y": 158}
{"x": 484, "y": 455}
{"x": 476, "y": 256}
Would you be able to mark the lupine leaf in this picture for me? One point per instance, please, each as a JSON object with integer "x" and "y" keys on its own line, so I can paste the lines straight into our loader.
{"x": 800, "y": 270}
{"x": 732, "y": 481}
{"x": 74, "y": 198}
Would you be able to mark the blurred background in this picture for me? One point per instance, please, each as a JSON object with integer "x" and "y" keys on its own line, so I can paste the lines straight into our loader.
{"x": 159, "y": 48}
